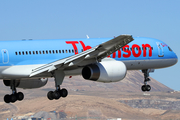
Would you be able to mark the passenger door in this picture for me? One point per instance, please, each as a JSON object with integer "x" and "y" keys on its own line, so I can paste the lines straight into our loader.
{"x": 5, "y": 56}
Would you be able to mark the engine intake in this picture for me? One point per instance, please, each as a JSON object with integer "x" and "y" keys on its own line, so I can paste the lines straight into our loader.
{"x": 106, "y": 71}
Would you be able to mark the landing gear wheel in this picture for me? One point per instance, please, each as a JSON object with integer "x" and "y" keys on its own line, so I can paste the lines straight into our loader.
{"x": 56, "y": 95}
{"x": 50, "y": 95}
{"x": 148, "y": 87}
{"x": 143, "y": 88}
{"x": 13, "y": 98}
{"x": 7, "y": 98}
{"x": 20, "y": 96}
{"x": 64, "y": 92}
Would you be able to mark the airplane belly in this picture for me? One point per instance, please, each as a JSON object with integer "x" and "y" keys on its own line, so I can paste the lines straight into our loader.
{"x": 150, "y": 63}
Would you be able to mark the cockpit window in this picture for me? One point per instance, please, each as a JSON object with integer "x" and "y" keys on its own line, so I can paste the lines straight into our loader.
{"x": 169, "y": 49}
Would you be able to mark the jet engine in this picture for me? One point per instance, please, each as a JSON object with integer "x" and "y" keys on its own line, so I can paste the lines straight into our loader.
{"x": 106, "y": 71}
{"x": 27, "y": 83}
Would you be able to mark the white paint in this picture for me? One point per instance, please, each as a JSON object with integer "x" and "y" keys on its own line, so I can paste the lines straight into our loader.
{"x": 111, "y": 71}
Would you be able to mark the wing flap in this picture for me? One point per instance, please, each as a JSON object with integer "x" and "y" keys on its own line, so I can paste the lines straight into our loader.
{"x": 60, "y": 64}
{"x": 113, "y": 45}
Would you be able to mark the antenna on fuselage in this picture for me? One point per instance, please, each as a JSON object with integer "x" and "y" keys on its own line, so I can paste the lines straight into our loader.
{"x": 87, "y": 36}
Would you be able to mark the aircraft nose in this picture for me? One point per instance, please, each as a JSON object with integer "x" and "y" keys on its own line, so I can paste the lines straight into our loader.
{"x": 174, "y": 58}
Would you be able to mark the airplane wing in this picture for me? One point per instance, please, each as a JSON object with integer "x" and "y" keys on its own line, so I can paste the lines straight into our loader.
{"x": 86, "y": 57}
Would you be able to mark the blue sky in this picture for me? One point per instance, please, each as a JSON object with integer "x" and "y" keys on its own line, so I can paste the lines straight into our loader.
{"x": 57, "y": 19}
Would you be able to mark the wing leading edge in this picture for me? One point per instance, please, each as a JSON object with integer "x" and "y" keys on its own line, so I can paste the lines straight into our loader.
{"x": 86, "y": 57}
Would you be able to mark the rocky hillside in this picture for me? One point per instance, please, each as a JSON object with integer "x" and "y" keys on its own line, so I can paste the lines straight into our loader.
{"x": 88, "y": 99}
{"x": 132, "y": 83}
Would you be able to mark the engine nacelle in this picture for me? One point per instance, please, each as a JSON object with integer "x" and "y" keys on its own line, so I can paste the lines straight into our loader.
{"x": 28, "y": 83}
{"x": 106, "y": 71}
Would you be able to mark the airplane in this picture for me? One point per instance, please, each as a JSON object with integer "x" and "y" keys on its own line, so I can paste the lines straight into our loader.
{"x": 28, "y": 64}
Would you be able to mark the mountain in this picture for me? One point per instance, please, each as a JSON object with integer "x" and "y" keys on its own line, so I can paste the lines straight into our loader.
{"x": 132, "y": 83}
{"x": 88, "y": 99}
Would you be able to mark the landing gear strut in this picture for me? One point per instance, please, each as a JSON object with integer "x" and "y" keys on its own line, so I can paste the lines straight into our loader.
{"x": 14, "y": 96}
{"x": 59, "y": 76}
{"x": 146, "y": 87}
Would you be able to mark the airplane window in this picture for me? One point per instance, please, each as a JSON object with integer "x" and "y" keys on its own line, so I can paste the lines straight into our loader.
{"x": 69, "y": 51}
{"x": 39, "y": 52}
{"x": 53, "y": 51}
{"x": 50, "y": 51}
{"x": 59, "y": 51}
{"x": 43, "y": 52}
{"x": 63, "y": 51}
{"x": 151, "y": 48}
{"x": 30, "y": 52}
{"x": 76, "y": 51}
{"x": 33, "y": 52}
{"x": 23, "y": 52}
{"x": 16, "y": 53}
{"x": 56, "y": 51}
{"x": 82, "y": 50}
{"x": 66, "y": 51}
{"x": 26, "y": 52}
{"x": 19, "y": 53}
{"x": 169, "y": 49}
{"x": 36, "y": 52}
{"x": 148, "y": 48}
{"x": 72, "y": 51}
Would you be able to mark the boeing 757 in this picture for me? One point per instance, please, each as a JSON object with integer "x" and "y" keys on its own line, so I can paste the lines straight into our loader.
{"x": 28, "y": 64}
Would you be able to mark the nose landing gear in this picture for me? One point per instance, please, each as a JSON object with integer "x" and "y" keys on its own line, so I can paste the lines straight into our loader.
{"x": 146, "y": 87}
